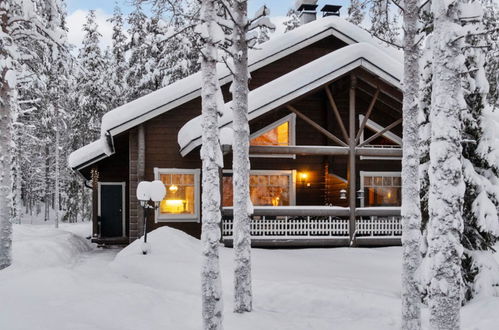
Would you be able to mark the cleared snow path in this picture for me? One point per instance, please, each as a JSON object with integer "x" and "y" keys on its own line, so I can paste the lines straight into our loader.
{"x": 59, "y": 282}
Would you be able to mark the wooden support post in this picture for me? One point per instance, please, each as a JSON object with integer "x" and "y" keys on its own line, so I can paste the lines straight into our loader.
{"x": 351, "y": 160}
{"x": 366, "y": 117}
{"x": 336, "y": 112}
{"x": 95, "y": 201}
{"x": 318, "y": 127}
{"x": 141, "y": 171}
{"x": 386, "y": 129}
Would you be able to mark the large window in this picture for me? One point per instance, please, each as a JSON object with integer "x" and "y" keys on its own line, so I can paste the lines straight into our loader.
{"x": 267, "y": 188}
{"x": 182, "y": 194}
{"x": 381, "y": 188}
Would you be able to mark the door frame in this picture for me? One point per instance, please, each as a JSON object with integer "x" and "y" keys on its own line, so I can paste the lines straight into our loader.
{"x": 123, "y": 198}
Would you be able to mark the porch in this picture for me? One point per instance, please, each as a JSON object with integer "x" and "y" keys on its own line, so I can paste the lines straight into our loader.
{"x": 319, "y": 226}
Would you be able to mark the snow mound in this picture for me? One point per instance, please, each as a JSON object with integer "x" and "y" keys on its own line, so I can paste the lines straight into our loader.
{"x": 40, "y": 246}
{"x": 173, "y": 254}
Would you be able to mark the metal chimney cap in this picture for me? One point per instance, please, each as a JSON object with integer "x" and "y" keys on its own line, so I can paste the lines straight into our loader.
{"x": 331, "y": 8}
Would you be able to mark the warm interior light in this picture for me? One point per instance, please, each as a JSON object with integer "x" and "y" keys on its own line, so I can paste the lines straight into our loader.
{"x": 173, "y": 188}
{"x": 173, "y": 206}
{"x": 275, "y": 201}
{"x": 303, "y": 176}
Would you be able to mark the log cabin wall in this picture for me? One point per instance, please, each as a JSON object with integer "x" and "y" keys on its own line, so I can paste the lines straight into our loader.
{"x": 162, "y": 150}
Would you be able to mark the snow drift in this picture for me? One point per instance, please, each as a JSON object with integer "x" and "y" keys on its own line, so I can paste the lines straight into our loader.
{"x": 43, "y": 246}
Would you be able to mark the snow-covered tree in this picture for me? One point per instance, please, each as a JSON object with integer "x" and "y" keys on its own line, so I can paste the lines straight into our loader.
{"x": 8, "y": 60}
{"x": 91, "y": 99}
{"x": 384, "y": 24}
{"x": 293, "y": 21}
{"x": 119, "y": 61}
{"x": 356, "y": 11}
{"x": 411, "y": 215}
{"x": 480, "y": 168}
{"x": 445, "y": 173}
{"x": 211, "y": 35}
{"x": 138, "y": 53}
{"x": 490, "y": 21}
{"x": 241, "y": 164}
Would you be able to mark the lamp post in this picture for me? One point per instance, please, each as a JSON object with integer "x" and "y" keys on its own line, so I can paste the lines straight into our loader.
{"x": 149, "y": 192}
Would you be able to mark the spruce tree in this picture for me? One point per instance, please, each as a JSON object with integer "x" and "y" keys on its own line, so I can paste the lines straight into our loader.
{"x": 293, "y": 21}
{"x": 138, "y": 50}
{"x": 480, "y": 168}
{"x": 119, "y": 61}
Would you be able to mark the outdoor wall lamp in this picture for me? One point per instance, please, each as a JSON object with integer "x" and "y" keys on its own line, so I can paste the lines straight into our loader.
{"x": 303, "y": 177}
{"x": 148, "y": 192}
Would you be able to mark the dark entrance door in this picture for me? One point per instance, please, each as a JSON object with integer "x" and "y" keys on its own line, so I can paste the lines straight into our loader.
{"x": 111, "y": 210}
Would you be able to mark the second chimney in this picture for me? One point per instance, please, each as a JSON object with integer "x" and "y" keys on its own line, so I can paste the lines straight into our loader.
{"x": 307, "y": 10}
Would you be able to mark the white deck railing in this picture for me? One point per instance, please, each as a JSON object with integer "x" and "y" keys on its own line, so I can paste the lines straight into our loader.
{"x": 284, "y": 227}
{"x": 375, "y": 226}
{"x": 318, "y": 222}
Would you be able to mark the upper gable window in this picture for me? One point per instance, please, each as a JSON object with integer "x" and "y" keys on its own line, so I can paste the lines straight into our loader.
{"x": 277, "y": 136}
{"x": 279, "y": 133}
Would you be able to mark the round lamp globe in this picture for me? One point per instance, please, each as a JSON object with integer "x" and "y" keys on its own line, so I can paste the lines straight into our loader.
{"x": 157, "y": 191}
{"x": 144, "y": 191}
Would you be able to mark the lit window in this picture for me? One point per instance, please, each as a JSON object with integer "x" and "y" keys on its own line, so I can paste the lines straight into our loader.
{"x": 182, "y": 194}
{"x": 267, "y": 188}
{"x": 277, "y": 136}
{"x": 382, "y": 189}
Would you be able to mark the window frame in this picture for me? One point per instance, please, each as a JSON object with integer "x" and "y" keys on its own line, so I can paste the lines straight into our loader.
{"x": 291, "y": 118}
{"x": 292, "y": 182}
{"x": 161, "y": 217}
{"x": 376, "y": 173}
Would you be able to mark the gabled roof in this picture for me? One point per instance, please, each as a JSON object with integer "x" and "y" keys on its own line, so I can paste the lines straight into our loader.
{"x": 149, "y": 106}
{"x": 301, "y": 81}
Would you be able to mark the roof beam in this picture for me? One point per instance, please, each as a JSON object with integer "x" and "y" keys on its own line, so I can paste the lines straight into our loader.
{"x": 366, "y": 117}
{"x": 318, "y": 127}
{"x": 324, "y": 151}
{"x": 336, "y": 112}
{"x": 386, "y": 129}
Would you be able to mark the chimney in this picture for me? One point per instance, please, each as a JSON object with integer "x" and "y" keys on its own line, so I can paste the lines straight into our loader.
{"x": 330, "y": 10}
{"x": 307, "y": 10}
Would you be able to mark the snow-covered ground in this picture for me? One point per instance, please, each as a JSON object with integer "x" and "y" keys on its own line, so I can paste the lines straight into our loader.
{"x": 59, "y": 282}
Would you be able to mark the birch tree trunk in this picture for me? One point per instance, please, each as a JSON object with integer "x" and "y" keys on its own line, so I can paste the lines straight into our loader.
{"x": 46, "y": 197}
{"x": 411, "y": 214}
{"x": 57, "y": 170}
{"x": 446, "y": 178}
{"x": 7, "y": 79}
{"x": 211, "y": 155}
{"x": 241, "y": 163}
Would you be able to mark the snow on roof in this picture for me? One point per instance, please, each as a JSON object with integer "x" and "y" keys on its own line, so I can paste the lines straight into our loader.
{"x": 90, "y": 153}
{"x": 300, "y": 81}
{"x": 170, "y": 97}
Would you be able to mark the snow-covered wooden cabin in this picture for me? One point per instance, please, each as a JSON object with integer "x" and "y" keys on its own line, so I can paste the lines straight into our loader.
{"x": 325, "y": 118}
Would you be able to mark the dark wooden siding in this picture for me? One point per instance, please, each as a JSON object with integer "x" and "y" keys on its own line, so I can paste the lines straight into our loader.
{"x": 115, "y": 169}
